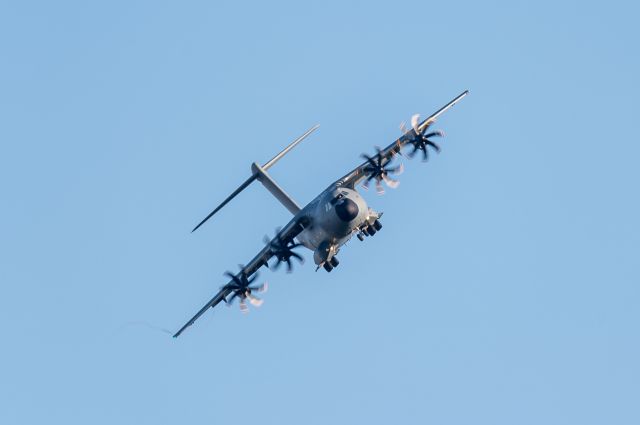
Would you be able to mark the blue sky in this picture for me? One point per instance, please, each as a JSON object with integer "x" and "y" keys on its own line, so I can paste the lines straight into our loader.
{"x": 503, "y": 288}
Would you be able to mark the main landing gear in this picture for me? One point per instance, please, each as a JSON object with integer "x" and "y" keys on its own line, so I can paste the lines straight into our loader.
{"x": 331, "y": 264}
{"x": 370, "y": 229}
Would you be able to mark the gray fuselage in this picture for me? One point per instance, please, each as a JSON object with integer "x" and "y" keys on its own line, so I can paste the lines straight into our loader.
{"x": 334, "y": 216}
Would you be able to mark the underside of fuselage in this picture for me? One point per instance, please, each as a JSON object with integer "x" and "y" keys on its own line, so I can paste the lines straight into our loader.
{"x": 334, "y": 217}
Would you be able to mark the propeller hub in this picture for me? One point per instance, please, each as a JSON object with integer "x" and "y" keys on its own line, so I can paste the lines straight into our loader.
{"x": 283, "y": 251}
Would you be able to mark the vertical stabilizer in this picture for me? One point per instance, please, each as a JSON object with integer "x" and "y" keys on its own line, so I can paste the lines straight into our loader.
{"x": 275, "y": 190}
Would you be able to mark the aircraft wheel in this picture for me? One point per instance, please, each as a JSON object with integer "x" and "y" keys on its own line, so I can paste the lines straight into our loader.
{"x": 328, "y": 267}
{"x": 360, "y": 236}
{"x": 377, "y": 225}
{"x": 334, "y": 261}
{"x": 372, "y": 230}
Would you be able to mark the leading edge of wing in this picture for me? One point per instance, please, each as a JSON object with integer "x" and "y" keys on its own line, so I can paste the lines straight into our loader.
{"x": 442, "y": 110}
{"x": 351, "y": 179}
{"x": 290, "y": 231}
{"x": 212, "y": 303}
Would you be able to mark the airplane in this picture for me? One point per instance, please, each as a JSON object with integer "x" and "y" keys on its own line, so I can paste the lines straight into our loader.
{"x": 326, "y": 223}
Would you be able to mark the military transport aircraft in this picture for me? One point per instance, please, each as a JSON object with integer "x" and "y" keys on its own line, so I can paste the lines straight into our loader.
{"x": 327, "y": 222}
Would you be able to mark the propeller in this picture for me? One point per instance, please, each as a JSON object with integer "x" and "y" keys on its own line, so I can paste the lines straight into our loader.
{"x": 241, "y": 288}
{"x": 421, "y": 139}
{"x": 283, "y": 251}
{"x": 380, "y": 172}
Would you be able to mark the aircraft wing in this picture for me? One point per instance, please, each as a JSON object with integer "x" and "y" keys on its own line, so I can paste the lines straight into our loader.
{"x": 351, "y": 179}
{"x": 290, "y": 231}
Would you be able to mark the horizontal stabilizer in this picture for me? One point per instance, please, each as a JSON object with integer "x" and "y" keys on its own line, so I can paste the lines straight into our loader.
{"x": 259, "y": 173}
{"x": 242, "y": 187}
{"x": 288, "y": 148}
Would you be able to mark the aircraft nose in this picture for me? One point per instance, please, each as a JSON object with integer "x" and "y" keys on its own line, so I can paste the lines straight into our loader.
{"x": 347, "y": 210}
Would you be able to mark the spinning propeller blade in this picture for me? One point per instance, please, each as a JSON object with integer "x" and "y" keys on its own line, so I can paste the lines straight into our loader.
{"x": 241, "y": 288}
{"x": 375, "y": 169}
{"x": 283, "y": 251}
{"x": 420, "y": 141}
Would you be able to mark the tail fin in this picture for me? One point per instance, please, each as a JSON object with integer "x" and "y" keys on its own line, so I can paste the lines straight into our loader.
{"x": 260, "y": 173}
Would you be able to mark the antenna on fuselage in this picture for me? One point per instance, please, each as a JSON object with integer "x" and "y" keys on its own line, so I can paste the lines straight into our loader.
{"x": 260, "y": 173}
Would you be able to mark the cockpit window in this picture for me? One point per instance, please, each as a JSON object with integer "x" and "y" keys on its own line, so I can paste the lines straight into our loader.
{"x": 337, "y": 198}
